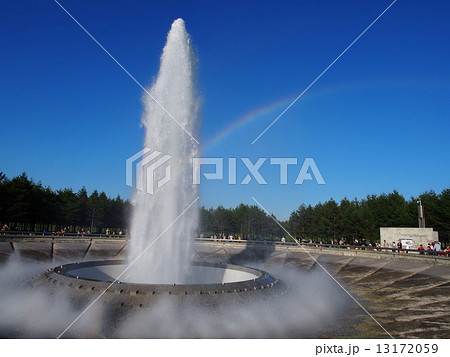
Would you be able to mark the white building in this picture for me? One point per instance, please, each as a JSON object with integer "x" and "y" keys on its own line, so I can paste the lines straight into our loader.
{"x": 408, "y": 236}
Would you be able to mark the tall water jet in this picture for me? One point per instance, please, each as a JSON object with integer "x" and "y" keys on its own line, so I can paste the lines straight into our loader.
{"x": 161, "y": 240}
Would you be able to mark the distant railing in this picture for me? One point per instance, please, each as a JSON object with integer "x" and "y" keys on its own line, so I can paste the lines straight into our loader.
{"x": 18, "y": 234}
{"x": 368, "y": 248}
{"x": 93, "y": 236}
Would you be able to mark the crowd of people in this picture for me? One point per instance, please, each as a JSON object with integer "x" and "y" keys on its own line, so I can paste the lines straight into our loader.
{"x": 221, "y": 236}
{"x": 433, "y": 248}
{"x": 68, "y": 230}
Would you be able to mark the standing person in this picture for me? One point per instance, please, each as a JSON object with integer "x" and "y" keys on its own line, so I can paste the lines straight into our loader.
{"x": 437, "y": 246}
{"x": 399, "y": 246}
{"x": 421, "y": 248}
{"x": 385, "y": 244}
{"x": 363, "y": 243}
{"x": 407, "y": 246}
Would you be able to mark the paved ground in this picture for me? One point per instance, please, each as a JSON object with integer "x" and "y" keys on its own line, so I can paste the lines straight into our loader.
{"x": 408, "y": 298}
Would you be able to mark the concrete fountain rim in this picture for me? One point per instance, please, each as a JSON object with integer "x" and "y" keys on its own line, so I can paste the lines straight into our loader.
{"x": 264, "y": 280}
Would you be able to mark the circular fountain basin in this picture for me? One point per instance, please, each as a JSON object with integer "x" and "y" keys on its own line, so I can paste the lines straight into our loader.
{"x": 200, "y": 273}
{"x": 208, "y": 283}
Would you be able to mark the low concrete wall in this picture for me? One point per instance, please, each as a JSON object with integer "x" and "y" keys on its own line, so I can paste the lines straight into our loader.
{"x": 117, "y": 246}
{"x": 314, "y": 251}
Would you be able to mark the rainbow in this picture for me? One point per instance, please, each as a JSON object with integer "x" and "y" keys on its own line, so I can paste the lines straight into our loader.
{"x": 250, "y": 116}
{"x": 276, "y": 107}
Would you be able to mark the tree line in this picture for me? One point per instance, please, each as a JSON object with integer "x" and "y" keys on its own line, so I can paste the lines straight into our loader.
{"x": 241, "y": 222}
{"x": 331, "y": 221}
{"x": 362, "y": 219}
{"x": 29, "y": 206}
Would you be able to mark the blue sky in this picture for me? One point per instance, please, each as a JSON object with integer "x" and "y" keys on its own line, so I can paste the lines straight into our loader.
{"x": 377, "y": 120}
